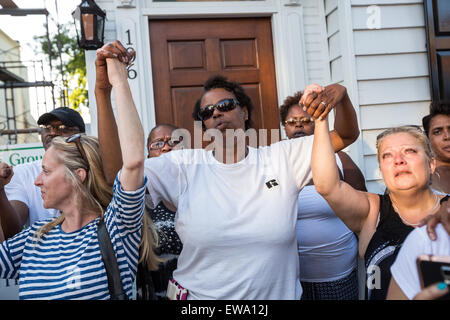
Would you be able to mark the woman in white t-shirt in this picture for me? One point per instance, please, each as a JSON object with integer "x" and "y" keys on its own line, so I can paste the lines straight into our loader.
{"x": 236, "y": 204}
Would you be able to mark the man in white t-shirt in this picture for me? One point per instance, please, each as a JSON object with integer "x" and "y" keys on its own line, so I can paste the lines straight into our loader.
{"x": 20, "y": 200}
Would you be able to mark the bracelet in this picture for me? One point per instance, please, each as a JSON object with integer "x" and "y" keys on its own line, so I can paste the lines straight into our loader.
{"x": 443, "y": 199}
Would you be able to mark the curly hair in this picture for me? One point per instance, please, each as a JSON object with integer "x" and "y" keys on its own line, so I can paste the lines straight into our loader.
{"x": 288, "y": 103}
{"x": 222, "y": 82}
{"x": 436, "y": 108}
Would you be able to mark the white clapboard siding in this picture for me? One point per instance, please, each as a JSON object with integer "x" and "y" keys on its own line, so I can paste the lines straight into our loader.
{"x": 391, "y": 67}
{"x": 389, "y": 41}
{"x": 110, "y": 24}
{"x": 369, "y": 138}
{"x": 337, "y": 74}
{"x": 314, "y": 28}
{"x": 334, "y": 46}
{"x": 332, "y": 23}
{"x": 334, "y": 41}
{"x": 403, "y": 65}
{"x": 390, "y": 16}
{"x": 394, "y": 114}
{"x": 330, "y": 5}
{"x": 393, "y": 90}
{"x": 372, "y": 168}
{"x": 375, "y": 186}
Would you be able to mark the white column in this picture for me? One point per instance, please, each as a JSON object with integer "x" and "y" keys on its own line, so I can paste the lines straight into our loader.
{"x": 289, "y": 48}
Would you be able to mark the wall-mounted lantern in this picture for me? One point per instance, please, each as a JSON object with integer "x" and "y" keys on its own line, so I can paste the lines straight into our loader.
{"x": 90, "y": 25}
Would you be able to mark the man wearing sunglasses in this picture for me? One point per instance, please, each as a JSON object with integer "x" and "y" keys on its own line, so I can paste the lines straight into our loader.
{"x": 20, "y": 200}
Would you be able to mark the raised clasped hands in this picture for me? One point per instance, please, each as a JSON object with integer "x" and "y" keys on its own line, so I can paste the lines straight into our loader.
{"x": 318, "y": 101}
{"x": 112, "y": 51}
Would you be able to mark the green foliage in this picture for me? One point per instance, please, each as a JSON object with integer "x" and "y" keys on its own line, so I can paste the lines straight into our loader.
{"x": 73, "y": 64}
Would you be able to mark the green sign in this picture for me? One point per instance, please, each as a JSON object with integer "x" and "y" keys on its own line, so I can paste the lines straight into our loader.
{"x": 15, "y": 154}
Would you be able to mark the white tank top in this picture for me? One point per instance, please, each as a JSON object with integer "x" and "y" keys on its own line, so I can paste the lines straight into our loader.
{"x": 327, "y": 248}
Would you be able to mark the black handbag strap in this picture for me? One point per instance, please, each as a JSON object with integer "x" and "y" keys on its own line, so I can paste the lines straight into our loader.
{"x": 109, "y": 260}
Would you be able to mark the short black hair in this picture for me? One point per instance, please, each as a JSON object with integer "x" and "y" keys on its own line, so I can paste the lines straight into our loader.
{"x": 168, "y": 125}
{"x": 436, "y": 108}
{"x": 288, "y": 103}
{"x": 219, "y": 81}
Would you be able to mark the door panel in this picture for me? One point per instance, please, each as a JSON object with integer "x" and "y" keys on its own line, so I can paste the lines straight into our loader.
{"x": 185, "y": 53}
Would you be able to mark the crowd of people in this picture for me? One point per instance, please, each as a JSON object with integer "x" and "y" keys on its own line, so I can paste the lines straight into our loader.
{"x": 283, "y": 221}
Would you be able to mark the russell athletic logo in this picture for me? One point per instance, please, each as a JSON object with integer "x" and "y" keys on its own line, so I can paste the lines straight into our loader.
{"x": 271, "y": 183}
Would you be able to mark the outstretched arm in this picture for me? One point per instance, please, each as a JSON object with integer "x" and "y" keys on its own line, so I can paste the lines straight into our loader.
{"x": 350, "y": 205}
{"x": 107, "y": 129}
{"x": 130, "y": 131}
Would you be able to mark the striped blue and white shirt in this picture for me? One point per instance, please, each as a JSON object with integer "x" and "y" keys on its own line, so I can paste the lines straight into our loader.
{"x": 69, "y": 265}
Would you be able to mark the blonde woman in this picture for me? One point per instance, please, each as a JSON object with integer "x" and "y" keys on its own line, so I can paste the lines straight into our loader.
{"x": 61, "y": 259}
{"x": 382, "y": 222}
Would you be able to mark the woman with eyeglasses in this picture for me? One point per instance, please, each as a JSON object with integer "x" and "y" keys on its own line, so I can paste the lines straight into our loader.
{"x": 152, "y": 284}
{"x": 327, "y": 248}
{"x": 60, "y": 258}
{"x": 381, "y": 222}
{"x": 236, "y": 215}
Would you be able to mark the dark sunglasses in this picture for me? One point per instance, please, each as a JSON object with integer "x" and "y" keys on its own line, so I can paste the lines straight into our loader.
{"x": 294, "y": 121}
{"x": 223, "y": 106}
{"x": 76, "y": 138}
{"x": 160, "y": 144}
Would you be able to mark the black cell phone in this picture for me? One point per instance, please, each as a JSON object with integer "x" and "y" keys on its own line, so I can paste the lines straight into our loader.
{"x": 434, "y": 269}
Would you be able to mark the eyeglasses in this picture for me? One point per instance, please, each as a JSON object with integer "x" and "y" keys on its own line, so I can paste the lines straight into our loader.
{"x": 77, "y": 139}
{"x": 223, "y": 106}
{"x": 294, "y": 121}
{"x": 61, "y": 128}
{"x": 160, "y": 144}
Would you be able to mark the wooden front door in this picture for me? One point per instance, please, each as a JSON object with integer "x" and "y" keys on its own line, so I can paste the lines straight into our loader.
{"x": 185, "y": 53}
{"x": 438, "y": 33}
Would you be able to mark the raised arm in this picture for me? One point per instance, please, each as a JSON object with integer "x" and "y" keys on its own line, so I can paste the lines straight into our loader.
{"x": 130, "y": 132}
{"x": 107, "y": 128}
{"x": 350, "y": 205}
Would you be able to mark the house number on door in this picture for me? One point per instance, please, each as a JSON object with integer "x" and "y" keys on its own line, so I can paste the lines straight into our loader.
{"x": 132, "y": 74}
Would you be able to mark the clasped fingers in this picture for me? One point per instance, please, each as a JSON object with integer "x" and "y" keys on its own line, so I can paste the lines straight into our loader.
{"x": 115, "y": 50}
{"x": 320, "y": 106}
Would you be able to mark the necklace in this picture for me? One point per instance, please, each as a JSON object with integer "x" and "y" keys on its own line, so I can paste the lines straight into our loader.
{"x": 406, "y": 221}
